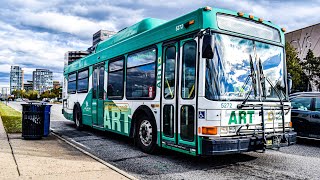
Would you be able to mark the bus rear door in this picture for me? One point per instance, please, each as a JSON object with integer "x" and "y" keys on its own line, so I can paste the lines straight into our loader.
{"x": 98, "y": 95}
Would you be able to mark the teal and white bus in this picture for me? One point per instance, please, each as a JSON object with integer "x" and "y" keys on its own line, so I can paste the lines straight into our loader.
{"x": 210, "y": 82}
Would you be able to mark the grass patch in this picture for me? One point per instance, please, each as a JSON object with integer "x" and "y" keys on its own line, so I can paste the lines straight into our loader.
{"x": 12, "y": 119}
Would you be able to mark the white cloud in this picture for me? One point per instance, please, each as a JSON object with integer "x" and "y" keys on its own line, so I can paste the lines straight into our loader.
{"x": 64, "y": 23}
{"x": 35, "y": 33}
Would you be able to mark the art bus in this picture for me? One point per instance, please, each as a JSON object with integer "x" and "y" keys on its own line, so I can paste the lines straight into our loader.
{"x": 210, "y": 82}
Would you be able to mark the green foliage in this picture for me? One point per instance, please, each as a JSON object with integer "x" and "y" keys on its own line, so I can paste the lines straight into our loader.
{"x": 311, "y": 65}
{"x": 12, "y": 119}
{"x": 50, "y": 94}
{"x": 295, "y": 69}
{"x": 31, "y": 95}
{"x": 18, "y": 93}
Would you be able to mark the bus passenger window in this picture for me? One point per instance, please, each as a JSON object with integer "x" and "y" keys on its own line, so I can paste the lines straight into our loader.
{"x": 72, "y": 83}
{"x": 141, "y": 71}
{"x": 188, "y": 70}
{"x": 82, "y": 83}
{"x": 115, "y": 81}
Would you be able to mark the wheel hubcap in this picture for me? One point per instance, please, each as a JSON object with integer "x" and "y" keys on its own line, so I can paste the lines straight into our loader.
{"x": 77, "y": 120}
{"x": 145, "y": 132}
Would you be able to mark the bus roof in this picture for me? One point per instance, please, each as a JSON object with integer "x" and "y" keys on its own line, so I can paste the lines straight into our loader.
{"x": 151, "y": 31}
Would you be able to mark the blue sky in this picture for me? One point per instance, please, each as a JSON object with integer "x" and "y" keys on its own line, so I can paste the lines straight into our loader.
{"x": 36, "y": 34}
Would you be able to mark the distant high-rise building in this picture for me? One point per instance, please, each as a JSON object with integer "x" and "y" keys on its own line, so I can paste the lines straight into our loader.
{"x": 42, "y": 80}
{"x": 16, "y": 78}
{"x": 28, "y": 86}
{"x": 72, "y": 56}
{"x": 101, "y": 35}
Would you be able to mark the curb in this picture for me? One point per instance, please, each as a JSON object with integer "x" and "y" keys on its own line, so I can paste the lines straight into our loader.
{"x": 76, "y": 145}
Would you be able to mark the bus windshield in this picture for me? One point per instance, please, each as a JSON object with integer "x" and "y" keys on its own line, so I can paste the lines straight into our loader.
{"x": 230, "y": 76}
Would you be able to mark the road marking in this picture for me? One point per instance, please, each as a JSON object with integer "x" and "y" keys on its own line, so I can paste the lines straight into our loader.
{"x": 70, "y": 142}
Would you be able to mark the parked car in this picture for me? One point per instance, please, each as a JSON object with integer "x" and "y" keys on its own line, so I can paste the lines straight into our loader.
{"x": 19, "y": 100}
{"x": 305, "y": 114}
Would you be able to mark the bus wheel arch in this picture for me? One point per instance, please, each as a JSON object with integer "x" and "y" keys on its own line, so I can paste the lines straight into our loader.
{"x": 77, "y": 116}
{"x": 141, "y": 119}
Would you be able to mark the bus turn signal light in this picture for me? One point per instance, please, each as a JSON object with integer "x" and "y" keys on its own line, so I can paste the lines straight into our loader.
{"x": 290, "y": 124}
{"x": 210, "y": 130}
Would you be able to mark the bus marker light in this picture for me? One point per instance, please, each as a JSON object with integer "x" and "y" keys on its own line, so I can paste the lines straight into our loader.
{"x": 240, "y": 14}
{"x": 191, "y": 22}
{"x": 260, "y": 20}
{"x": 283, "y": 29}
{"x": 207, "y": 8}
{"x": 186, "y": 25}
{"x": 251, "y": 16}
{"x": 210, "y": 130}
{"x": 155, "y": 105}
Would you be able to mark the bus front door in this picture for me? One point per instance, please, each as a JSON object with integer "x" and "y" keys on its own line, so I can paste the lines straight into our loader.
{"x": 179, "y": 95}
{"x": 98, "y": 95}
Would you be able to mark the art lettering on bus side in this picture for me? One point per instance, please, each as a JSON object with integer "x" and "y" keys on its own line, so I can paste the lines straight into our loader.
{"x": 116, "y": 117}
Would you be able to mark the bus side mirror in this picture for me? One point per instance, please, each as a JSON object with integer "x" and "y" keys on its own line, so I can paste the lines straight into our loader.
{"x": 207, "y": 46}
{"x": 289, "y": 80}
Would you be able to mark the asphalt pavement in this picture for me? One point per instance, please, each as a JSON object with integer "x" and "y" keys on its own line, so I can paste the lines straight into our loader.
{"x": 301, "y": 161}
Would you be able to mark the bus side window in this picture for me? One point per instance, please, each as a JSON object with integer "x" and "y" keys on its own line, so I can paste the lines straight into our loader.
{"x": 141, "y": 75}
{"x": 72, "y": 83}
{"x": 115, "y": 80}
{"x": 83, "y": 81}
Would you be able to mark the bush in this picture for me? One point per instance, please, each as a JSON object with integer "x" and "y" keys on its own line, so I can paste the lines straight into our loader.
{"x": 12, "y": 119}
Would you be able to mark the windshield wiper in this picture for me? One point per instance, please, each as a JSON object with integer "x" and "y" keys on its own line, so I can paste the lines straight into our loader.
{"x": 254, "y": 83}
{"x": 262, "y": 79}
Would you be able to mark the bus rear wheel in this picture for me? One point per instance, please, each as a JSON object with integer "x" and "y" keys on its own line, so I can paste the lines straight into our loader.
{"x": 78, "y": 119}
{"x": 146, "y": 134}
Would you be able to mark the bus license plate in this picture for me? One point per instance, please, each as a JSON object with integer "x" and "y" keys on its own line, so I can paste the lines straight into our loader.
{"x": 269, "y": 142}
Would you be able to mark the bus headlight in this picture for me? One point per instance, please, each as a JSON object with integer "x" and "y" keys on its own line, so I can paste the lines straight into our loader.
{"x": 223, "y": 130}
{"x": 232, "y": 129}
{"x": 227, "y": 130}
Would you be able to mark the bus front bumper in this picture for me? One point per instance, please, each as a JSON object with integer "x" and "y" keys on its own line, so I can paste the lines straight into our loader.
{"x": 223, "y": 146}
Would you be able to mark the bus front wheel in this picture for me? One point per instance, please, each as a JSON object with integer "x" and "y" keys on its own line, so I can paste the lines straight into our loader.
{"x": 146, "y": 134}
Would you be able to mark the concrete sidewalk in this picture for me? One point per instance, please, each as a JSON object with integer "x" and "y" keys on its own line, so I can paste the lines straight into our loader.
{"x": 49, "y": 158}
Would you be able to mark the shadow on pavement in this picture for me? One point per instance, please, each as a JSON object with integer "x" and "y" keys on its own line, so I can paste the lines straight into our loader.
{"x": 308, "y": 142}
{"x": 121, "y": 151}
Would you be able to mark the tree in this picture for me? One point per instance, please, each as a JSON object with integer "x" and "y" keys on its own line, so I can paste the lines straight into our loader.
{"x": 295, "y": 69}
{"x": 32, "y": 95}
{"x": 311, "y": 66}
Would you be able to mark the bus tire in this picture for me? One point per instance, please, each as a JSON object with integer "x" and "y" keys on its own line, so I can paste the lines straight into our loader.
{"x": 146, "y": 134}
{"x": 78, "y": 118}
